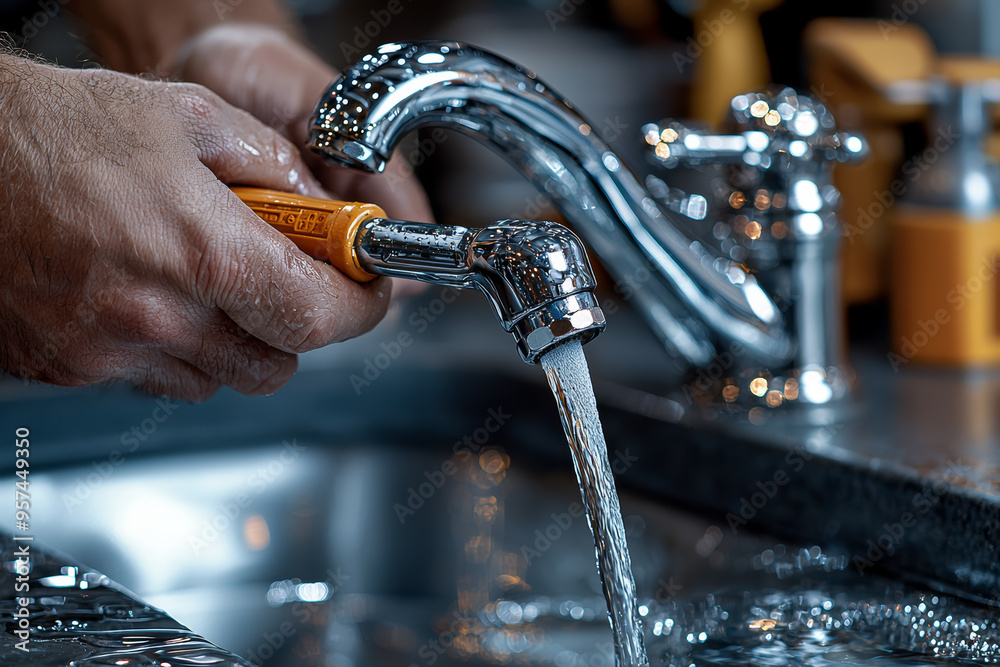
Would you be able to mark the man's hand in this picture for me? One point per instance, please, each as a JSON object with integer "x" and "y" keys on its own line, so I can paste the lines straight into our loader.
{"x": 249, "y": 53}
{"x": 274, "y": 77}
{"x": 126, "y": 256}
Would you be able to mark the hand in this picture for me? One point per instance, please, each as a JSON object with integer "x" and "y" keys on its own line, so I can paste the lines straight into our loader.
{"x": 125, "y": 254}
{"x": 269, "y": 74}
{"x": 279, "y": 81}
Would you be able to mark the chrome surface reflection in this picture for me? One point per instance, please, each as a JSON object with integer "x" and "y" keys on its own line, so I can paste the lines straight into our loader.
{"x": 778, "y": 217}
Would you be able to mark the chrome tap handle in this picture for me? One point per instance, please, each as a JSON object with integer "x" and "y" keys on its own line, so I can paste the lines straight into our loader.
{"x": 964, "y": 177}
{"x": 783, "y": 130}
{"x": 672, "y": 143}
{"x": 694, "y": 207}
{"x": 778, "y": 218}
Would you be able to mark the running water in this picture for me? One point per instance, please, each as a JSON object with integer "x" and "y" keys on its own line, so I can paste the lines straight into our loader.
{"x": 569, "y": 378}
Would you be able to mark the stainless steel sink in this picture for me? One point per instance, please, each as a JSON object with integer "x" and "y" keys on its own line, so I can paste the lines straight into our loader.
{"x": 431, "y": 516}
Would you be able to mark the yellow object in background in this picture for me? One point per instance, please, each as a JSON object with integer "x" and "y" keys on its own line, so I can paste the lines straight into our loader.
{"x": 733, "y": 59}
{"x": 945, "y": 297}
{"x": 853, "y": 66}
{"x": 946, "y": 230}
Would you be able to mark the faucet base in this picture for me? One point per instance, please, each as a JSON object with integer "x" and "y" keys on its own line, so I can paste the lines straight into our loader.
{"x": 810, "y": 395}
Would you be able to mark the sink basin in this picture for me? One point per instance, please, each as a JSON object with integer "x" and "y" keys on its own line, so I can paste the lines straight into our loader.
{"x": 430, "y": 516}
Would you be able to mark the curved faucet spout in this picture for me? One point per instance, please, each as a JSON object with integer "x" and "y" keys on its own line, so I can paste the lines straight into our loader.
{"x": 693, "y": 301}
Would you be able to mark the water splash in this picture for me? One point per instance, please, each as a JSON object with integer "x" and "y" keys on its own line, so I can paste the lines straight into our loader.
{"x": 569, "y": 378}
{"x": 803, "y": 626}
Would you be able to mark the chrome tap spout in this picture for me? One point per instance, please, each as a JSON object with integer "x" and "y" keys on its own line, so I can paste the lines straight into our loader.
{"x": 535, "y": 274}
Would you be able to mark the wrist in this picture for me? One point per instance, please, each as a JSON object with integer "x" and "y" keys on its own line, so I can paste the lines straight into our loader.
{"x": 147, "y": 36}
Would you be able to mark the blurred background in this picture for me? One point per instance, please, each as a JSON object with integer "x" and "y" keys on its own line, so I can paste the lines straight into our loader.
{"x": 624, "y": 63}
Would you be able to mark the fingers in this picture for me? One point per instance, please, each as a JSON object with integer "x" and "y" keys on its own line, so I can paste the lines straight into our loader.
{"x": 397, "y": 190}
{"x": 232, "y": 357}
{"x": 159, "y": 374}
{"x": 238, "y": 148}
{"x": 203, "y": 336}
{"x": 257, "y": 68}
{"x": 274, "y": 291}
{"x": 257, "y": 277}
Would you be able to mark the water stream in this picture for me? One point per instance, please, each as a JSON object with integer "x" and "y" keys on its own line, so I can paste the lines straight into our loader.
{"x": 569, "y": 378}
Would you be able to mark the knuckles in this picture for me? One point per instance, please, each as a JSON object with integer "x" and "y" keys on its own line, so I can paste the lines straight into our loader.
{"x": 307, "y": 331}
{"x": 269, "y": 288}
{"x": 195, "y": 102}
{"x": 272, "y": 292}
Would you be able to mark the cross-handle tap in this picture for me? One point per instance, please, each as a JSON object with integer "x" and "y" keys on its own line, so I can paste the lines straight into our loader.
{"x": 777, "y": 214}
{"x": 782, "y": 131}
{"x": 535, "y": 274}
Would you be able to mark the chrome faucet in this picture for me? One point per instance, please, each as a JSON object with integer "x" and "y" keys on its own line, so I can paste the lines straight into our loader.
{"x": 697, "y": 303}
{"x": 535, "y": 274}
